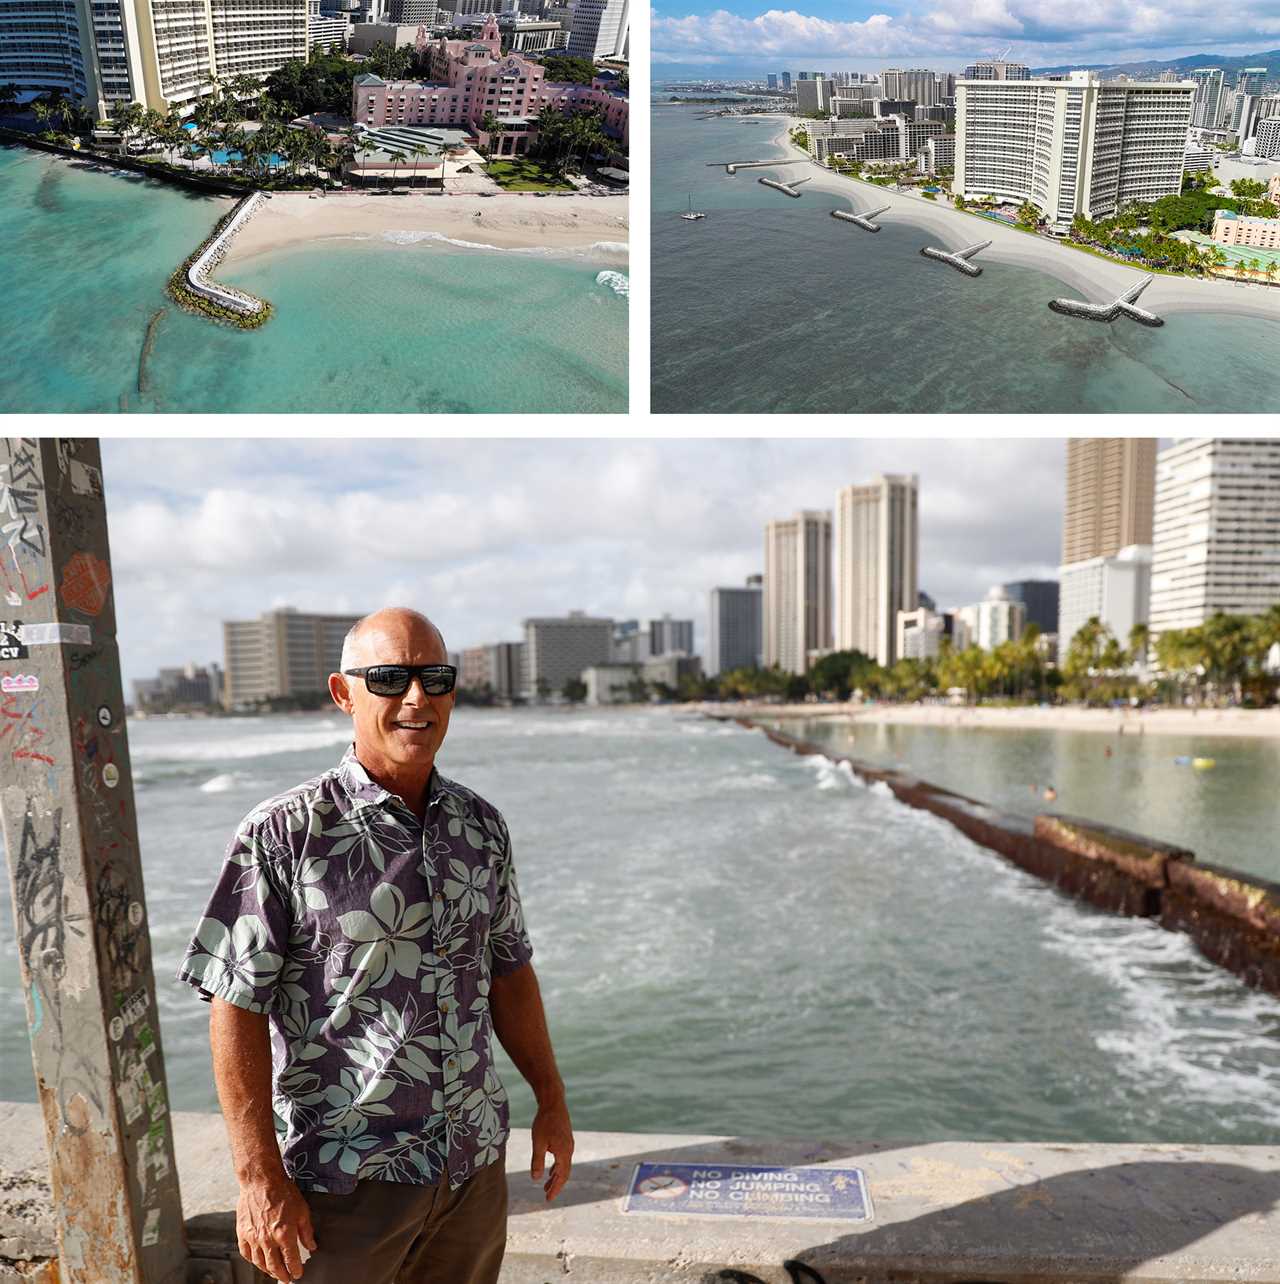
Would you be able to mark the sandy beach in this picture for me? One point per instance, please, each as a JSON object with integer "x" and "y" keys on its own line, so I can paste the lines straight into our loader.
{"x": 1092, "y": 279}
{"x": 594, "y": 225}
{"x": 1174, "y": 722}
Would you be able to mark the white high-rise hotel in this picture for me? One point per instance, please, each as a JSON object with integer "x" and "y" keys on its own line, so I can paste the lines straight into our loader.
{"x": 797, "y": 589}
{"x": 160, "y": 53}
{"x": 876, "y": 560}
{"x": 1075, "y": 146}
{"x": 1217, "y": 531}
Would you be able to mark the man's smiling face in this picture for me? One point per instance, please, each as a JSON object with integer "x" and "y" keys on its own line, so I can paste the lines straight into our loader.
{"x": 397, "y": 737}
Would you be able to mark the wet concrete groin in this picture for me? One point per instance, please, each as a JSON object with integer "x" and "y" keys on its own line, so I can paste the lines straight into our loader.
{"x": 1122, "y": 306}
{"x": 863, "y": 221}
{"x": 1232, "y": 918}
{"x": 788, "y": 188}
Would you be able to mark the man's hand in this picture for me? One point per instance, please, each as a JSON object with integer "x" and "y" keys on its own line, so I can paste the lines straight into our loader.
{"x": 552, "y": 1132}
{"x": 271, "y": 1219}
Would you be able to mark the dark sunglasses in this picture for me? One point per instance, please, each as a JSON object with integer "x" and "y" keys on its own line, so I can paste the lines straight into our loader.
{"x": 394, "y": 679}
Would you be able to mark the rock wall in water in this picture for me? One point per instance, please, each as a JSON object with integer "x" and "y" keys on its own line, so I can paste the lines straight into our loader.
{"x": 1233, "y": 919}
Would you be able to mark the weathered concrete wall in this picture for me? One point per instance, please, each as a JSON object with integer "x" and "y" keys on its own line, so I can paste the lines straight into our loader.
{"x": 944, "y": 1212}
{"x": 1233, "y": 920}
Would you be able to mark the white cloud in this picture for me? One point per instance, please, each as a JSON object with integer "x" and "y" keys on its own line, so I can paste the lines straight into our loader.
{"x": 1041, "y": 31}
{"x": 482, "y": 534}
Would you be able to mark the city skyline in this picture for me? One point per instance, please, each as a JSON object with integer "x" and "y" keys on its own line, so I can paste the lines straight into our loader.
{"x": 627, "y": 529}
{"x": 857, "y": 35}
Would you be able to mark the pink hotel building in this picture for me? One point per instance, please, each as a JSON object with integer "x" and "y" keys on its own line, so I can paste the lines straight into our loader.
{"x": 470, "y": 78}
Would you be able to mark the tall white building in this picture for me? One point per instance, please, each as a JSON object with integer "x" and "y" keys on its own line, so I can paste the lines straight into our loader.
{"x": 669, "y": 637}
{"x": 1207, "y": 109}
{"x": 1116, "y": 589}
{"x": 797, "y": 589}
{"x": 813, "y": 95}
{"x": 557, "y": 648}
{"x": 1074, "y": 146}
{"x": 876, "y": 564}
{"x": 160, "y": 53}
{"x": 1217, "y": 531}
{"x": 600, "y": 29}
{"x": 996, "y": 70}
{"x": 1000, "y": 619}
{"x": 733, "y": 627}
{"x": 914, "y": 83}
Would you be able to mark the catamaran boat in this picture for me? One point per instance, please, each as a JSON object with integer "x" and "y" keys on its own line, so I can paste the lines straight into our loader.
{"x": 692, "y": 215}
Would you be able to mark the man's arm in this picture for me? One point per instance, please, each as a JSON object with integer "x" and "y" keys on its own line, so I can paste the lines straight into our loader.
{"x": 520, "y": 1023}
{"x": 271, "y": 1214}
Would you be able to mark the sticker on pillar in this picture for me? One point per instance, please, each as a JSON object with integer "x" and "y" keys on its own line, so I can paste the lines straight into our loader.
{"x": 55, "y": 634}
{"x": 110, "y": 775}
{"x": 86, "y": 581}
{"x": 135, "y": 914}
{"x": 151, "y": 1228}
{"x": 19, "y": 683}
{"x": 749, "y": 1190}
{"x": 117, "y": 1029}
{"x": 11, "y": 640}
{"x": 104, "y": 716}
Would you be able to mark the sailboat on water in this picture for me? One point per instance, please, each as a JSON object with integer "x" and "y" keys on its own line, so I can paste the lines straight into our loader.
{"x": 692, "y": 215}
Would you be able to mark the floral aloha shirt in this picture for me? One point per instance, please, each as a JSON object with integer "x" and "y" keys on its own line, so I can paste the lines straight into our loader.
{"x": 370, "y": 939}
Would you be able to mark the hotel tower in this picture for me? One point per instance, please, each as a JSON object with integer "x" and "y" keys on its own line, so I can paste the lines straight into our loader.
{"x": 1073, "y": 146}
{"x": 876, "y": 564}
{"x": 797, "y": 589}
{"x": 160, "y": 53}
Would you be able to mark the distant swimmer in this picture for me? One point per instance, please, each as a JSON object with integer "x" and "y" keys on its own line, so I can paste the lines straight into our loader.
{"x": 1107, "y": 751}
{"x": 1050, "y": 793}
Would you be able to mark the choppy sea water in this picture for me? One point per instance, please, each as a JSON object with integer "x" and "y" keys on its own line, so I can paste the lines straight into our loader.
{"x": 732, "y": 939}
{"x": 769, "y": 304}
{"x": 1228, "y": 814}
{"x": 370, "y": 325}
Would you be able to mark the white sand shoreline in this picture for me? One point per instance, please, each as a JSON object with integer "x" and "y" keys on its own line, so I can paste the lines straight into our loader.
{"x": 594, "y": 227}
{"x": 1094, "y": 279}
{"x": 1258, "y": 723}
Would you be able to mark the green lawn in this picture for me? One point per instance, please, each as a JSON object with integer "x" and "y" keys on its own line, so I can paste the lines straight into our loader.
{"x": 520, "y": 174}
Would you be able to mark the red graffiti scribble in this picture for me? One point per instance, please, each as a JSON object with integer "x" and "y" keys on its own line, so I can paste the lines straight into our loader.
{"x": 28, "y": 753}
{"x": 31, "y": 597}
{"x": 86, "y": 580}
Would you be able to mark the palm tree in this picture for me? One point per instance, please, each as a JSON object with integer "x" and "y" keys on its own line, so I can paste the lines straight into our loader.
{"x": 42, "y": 113}
{"x": 1139, "y": 640}
{"x": 494, "y": 129}
{"x": 418, "y": 152}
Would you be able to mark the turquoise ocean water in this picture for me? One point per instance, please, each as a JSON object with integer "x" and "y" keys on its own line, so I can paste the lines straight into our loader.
{"x": 769, "y": 304}
{"x": 359, "y": 326}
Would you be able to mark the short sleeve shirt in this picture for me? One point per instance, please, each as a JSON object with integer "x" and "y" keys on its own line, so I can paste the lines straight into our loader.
{"x": 369, "y": 939}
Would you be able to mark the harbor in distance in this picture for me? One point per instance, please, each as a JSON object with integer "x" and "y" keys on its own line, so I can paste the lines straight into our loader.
{"x": 897, "y": 217}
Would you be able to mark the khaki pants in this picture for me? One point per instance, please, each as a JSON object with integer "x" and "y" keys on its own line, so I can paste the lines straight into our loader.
{"x": 390, "y": 1233}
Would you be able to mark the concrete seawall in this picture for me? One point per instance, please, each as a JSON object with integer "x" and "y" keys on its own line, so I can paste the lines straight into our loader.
{"x": 942, "y": 1212}
{"x": 1233, "y": 919}
{"x": 198, "y": 274}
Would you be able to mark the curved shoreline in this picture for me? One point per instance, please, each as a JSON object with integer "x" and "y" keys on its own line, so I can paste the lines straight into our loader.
{"x": 573, "y": 226}
{"x": 1096, "y": 280}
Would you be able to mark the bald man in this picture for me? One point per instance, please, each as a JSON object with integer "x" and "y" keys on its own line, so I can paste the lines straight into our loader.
{"x": 363, "y": 942}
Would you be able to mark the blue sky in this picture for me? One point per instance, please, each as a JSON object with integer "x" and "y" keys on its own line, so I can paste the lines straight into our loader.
{"x": 851, "y": 34}
{"x": 480, "y": 534}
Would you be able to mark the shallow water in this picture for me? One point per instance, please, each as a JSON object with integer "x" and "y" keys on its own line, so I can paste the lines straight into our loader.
{"x": 769, "y": 304}
{"x": 732, "y": 939}
{"x": 370, "y": 325}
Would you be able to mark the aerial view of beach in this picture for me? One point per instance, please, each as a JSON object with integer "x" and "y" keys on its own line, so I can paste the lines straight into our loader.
{"x": 904, "y": 228}
{"x": 236, "y": 242}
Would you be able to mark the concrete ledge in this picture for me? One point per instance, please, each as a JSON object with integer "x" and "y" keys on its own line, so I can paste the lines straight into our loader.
{"x": 943, "y": 1211}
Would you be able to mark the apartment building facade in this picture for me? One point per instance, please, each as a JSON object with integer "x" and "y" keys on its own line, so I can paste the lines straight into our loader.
{"x": 558, "y": 648}
{"x": 876, "y": 564}
{"x": 282, "y": 653}
{"x": 734, "y": 619}
{"x": 797, "y": 589}
{"x": 1072, "y": 146}
{"x": 601, "y": 29}
{"x": 1217, "y": 531}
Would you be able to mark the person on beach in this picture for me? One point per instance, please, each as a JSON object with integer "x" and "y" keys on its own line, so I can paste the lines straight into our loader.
{"x": 363, "y": 942}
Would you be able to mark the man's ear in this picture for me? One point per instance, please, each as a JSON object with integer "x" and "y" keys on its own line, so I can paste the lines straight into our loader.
{"x": 340, "y": 692}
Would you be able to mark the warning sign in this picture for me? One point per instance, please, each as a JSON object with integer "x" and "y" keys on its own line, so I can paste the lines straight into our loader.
{"x": 749, "y": 1190}
{"x": 11, "y": 647}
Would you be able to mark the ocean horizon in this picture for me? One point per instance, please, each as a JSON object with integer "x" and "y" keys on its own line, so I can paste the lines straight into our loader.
{"x": 770, "y": 305}
{"x": 388, "y": 324}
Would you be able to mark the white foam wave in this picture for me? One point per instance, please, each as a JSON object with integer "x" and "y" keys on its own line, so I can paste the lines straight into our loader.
{"x": 212, "y": 749}
{"x": 618, "y": 282}
{"x": 412, "y": 238}
{"x": 220, "y": 784}
{"x": 612, "y": 247}
{"x": 831, "y": 775}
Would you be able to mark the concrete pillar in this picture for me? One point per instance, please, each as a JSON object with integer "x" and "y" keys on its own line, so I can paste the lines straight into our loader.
{"x": 71, "y": 838}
